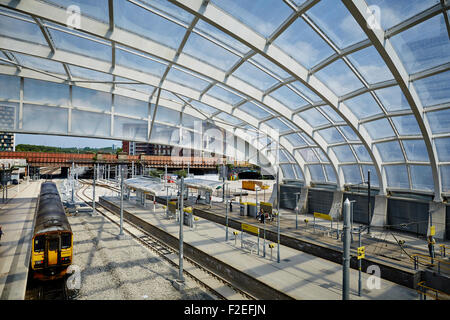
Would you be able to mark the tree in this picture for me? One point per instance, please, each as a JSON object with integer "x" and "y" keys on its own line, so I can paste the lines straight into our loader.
{"x": 181, "y": 173}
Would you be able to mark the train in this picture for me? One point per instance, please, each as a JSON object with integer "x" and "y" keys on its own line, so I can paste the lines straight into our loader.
{"x": 52, "y": 246}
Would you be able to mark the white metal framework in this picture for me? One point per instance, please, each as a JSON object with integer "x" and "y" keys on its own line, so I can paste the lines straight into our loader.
{"x": 348, "y": 86}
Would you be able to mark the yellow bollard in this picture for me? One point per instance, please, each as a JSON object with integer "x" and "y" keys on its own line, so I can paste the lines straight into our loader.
{"x": 235, "y": 233}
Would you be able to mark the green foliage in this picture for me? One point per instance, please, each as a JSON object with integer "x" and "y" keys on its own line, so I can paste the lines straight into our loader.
{"x": 34, "y": 148}
{"x": 181, "y": 173}
{"x": 156, "y": 173}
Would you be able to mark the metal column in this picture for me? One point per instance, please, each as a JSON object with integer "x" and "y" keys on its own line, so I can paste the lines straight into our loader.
{"x": 121, "y": 206}
{"x": 346, "y": 254}
{"x": 181, "y": 230}
{"x": 93, "y": 193}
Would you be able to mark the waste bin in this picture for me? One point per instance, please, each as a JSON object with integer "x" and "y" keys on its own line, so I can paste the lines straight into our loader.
{"x": 243, "y": 209}
{"x": 251, "y": 209}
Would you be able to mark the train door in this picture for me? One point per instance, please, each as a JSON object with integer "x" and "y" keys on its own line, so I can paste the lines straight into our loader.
{"x": 53, "y": 251}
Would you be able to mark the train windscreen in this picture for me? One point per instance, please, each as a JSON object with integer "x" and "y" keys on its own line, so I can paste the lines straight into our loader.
{"x": 39, "y": 243}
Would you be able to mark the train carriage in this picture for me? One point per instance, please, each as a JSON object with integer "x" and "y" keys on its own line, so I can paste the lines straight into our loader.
{"x": 52, "y": 246}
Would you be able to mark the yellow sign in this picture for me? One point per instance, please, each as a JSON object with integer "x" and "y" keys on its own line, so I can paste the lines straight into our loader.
{"x": 322, "y": 216}
{"x": 250, "y": 228}
{"x": 172, "y": 206}
{"x": 432, "y": 230}
{"x": 361, "y": 252}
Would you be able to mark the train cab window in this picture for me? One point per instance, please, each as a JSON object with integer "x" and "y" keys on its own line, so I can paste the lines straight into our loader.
{"x": 53, "y": 244}
{"x": 39, "y": 243}
{"x": 65, "y": 240}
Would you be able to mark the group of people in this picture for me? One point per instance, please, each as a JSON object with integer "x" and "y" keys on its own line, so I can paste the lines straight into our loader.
{"x": 263, "y": 216}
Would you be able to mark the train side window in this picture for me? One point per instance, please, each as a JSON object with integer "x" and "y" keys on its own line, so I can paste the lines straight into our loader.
{"x": 65, "y": 240}
{"x": 39, "y": 243}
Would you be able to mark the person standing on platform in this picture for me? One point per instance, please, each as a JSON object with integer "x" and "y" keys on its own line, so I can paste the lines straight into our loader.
{"x": 1, "y": 233}
{"x": 431, "y": 243}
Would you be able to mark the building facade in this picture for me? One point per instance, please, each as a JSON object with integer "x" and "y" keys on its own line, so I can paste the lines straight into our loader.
{"x": 7, "y": 141}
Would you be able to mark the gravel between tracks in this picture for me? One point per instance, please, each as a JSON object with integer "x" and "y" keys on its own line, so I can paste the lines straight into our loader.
{"x": 122, "y": 269}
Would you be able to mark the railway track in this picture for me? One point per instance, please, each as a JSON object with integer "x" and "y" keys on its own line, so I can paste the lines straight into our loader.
{"x": 47, "y": 290}
{"x": 196, "y": 271}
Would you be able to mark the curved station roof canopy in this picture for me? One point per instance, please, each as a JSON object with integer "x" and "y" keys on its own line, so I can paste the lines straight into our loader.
{"x": 326, "y": 89}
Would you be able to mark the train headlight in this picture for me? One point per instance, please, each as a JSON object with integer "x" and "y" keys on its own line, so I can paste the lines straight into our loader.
{"x": 38, "y": 263}
{"x": 65, "y": 259}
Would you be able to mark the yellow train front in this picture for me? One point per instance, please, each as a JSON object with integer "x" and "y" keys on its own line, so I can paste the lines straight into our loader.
{"x": 52, "y": 246}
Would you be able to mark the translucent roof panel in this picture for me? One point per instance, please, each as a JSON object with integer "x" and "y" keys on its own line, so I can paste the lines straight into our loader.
{"x": 344, "y": 153}
{"x": 138, "y": 20}
{"x": 445, "y": 174}
{"x": 295, "y": 139}
{"x": 133, "y": 107}
{"x": 224, "y": 94}
{"x": 352, "y": 174}
{"x": 187, "y": 79}
{"x": 308, "y": 155}
{"x": 89, "y": 74}
{"x": 288, "y": 97}
{"x": 338, "y": 24}
{"x": 373, "y": 175}
{"x": 390, "y": 151}
{"x": 140, "y": 62}
{"x": 423, "y": 46}
{"x": 254, "y": 110}
{"x": 45, "y": 92}
{"x": 301, "y": 42}
{"x": 209, "y": 52}
{"x": 93, "y": 99}
{"x": 254, "y": 76}
{"x": 94, "y": 9}
{"x": 331, "y": 135}
{"x": 363, "y": 106}
{"x": 9, "y": 87}
{"x": 439, "y": 121}
{"x": 259, "y": 59}
{"x": 421, "y": 177}
{"x": 203, "y": 107}
{"x": 298, "y": 172}
{"x": 263, "y": 16}
{"x": 379, "y": 129}
{"x": 305, "y": 91}
{"x": 362, "y": 153}
{"x": 167, "y": 115}
{"x": 331, "y": 175}
{"x": 349, "y": 133}
{"x": 392, "y": 98}
{"x": 316, "y": 172}
{"x": 371, "y": 66}
{"x": 278, "y": 124}
{"x": 288, "y": 171}
{"x": 434, "y": 90}
{"x": 171, "y": 9}
{"x": 443, "y": 149}
{"x": 19, "y": 29}
{"x": 339, "y": 78}
{"x": 229, "y": 118}
{"x": 397, "y": 11}
{"x": 40, "y": 63}
{"x": 313, "y": 117}
{"x": 415, "y": 150}
{"x": 406, "y": 125}
{"x": 397, "y": 176}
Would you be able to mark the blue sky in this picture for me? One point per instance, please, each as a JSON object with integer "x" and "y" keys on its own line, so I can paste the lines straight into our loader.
{"x": 65, "y": 142}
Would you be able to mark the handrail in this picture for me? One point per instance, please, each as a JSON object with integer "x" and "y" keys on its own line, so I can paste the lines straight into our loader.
{"x": 433, "y": 261}
{"x": 423, "y": 293}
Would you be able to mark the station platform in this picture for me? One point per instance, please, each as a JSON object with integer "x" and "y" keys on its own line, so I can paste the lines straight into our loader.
{"x": 298, "y": 275}
{"x": 16, "y": 219}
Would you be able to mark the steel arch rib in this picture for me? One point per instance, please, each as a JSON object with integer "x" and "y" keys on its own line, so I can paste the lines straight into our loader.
{"x": 359, "y": 10}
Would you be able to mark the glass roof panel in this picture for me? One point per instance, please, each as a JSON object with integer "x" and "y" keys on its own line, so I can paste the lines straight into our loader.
{"x": 288, "y": 97}
{"x": 344, "y": 153}
{"x": 130, "y": 107}
{"x": 295, "y": 139}
{"x": 221, "y": 36}
{"x": 349, "y": 133}
{"x": 270, "y": 66}
{"x": 316, "y": 172}
{"x": 397, "y": 176}
{"x": 373, "y": 174}
{"x": 339, "y": 78}
{"x": 83, "y": 46}
{"x": 254, "y": 76}
{"x": 434, "y": 90}
{"x": 288, "y": 171}
{"x": 421, "y": 177}
{"x": 390, "y": 151}
{"x": 313, "y": 117}
{"x": 224, "y": 94}
{"x": 23, "y": 30}
{"x": 337, "y": 23}
{"x": 331, "y": 135}
{"x": 140, "y": 87}
{"x": 445, "y": 174}
{"x": 209, "y": 52}
{"x": 254, "y": 110}
{"x": 415, "y": 150}
{"x": 443, "y": 149}
{"x": 392, "y": 98}
{"x": 40, "y": 63}
{"x": 89, "y": 74}
{"x": 334, "y": 116}
{"x": 173, "y": 10}
{"x": 351, "y": 174}
{"x": 45, "y": 92}
{"x": 203, "y": 107}
{"x": 363, "y": 106}
{"x": 298, "y": 172}
{"x": 188, "y": 121}
{"x": 308, "y": 155}
{"x": 278, "y": 124}
{"x": 93, "y": 9}
{"x": 439, "y": 121}
{"x": 306, "y": 91}
{"x": 141, "y": 62}
{"x": 307, "y": 139}
{"x": 133, "y": 18}
{"x": 186, "y": 79}
{"x": 379, "y": 129}
{"x": 229, "y": 118}
{"x": 371, "y": 66}
{"x": 263, "y": 16}
{"x": 167, "y": 115}
{"x": 321, "y": 154}
{"x": 406, "y": 125}
{"x": 362, "y": 153}
{"x": 423, "y": 46}
{"x": 98, "y": 100}
{"x": 394, "y": 12}
{"x": 303, "y": 44}
{"x": 331, "y": 176}
{"x": 9, "y": 87}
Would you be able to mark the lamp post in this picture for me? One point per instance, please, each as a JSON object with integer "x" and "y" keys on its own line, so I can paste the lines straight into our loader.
{"x": 181, "y": 231}
{"x": 346, "y": 254}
